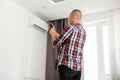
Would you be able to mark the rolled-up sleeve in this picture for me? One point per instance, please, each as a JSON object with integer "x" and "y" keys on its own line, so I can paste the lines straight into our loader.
{"x": 67, "y": 31}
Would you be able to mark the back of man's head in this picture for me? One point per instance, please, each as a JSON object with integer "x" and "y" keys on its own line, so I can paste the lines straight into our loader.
{"x": 77, "y": 14}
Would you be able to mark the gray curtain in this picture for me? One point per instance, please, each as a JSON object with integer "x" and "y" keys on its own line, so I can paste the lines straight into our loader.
{"x": 51, "y": 73}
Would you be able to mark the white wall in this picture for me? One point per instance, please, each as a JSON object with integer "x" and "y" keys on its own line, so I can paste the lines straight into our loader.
{"x": 95, "y": 17}
{"x": 20, "y": 44}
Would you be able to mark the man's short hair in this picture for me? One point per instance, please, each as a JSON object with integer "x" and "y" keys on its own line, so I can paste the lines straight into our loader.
{"x": 78, "y": 13}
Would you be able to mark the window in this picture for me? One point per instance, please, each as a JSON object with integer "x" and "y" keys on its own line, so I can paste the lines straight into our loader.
{"x": 90, "y": 54}
{"x": 96, "y": 52}
{"x": 106, "y": 51}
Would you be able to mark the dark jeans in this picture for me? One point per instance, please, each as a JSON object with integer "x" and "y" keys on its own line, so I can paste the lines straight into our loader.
{"x": 68, "y": 74}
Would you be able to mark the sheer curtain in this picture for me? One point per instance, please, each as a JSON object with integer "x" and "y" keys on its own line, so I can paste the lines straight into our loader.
{"x": 113, "y": 21}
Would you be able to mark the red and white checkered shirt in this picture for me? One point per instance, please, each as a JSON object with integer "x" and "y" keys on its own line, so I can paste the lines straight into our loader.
{"x": 71, "y": 42}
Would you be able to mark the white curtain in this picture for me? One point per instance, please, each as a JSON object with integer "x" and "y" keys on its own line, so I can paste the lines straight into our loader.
{"x": 82, "y": 73}
{"x": 113, "y": 21}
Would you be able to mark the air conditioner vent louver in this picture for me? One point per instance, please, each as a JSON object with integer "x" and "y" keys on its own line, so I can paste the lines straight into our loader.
{"x": 57, "y": 1}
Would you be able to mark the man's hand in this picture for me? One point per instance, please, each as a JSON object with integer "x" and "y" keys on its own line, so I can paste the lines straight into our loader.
{"x": 51, "y": 26}
{"x": 52, "y": 32}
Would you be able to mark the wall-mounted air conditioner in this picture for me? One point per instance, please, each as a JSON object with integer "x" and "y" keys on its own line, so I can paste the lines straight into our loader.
{"x": 58, "y": 0}
{"x": 38, "y": 23}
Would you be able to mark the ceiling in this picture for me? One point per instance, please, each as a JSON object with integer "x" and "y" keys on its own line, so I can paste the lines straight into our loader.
{"x": 48, "y": 10}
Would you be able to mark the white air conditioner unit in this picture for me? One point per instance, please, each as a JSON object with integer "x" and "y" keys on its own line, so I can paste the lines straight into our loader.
{"x": 58, "y": 0}
{"x": 38, "y": 23}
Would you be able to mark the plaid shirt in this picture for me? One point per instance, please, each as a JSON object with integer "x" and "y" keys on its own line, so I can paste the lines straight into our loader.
{"x": 71, "y": 42}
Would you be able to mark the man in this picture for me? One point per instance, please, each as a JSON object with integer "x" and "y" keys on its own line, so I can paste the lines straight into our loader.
{"x": 71, "y": 41}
